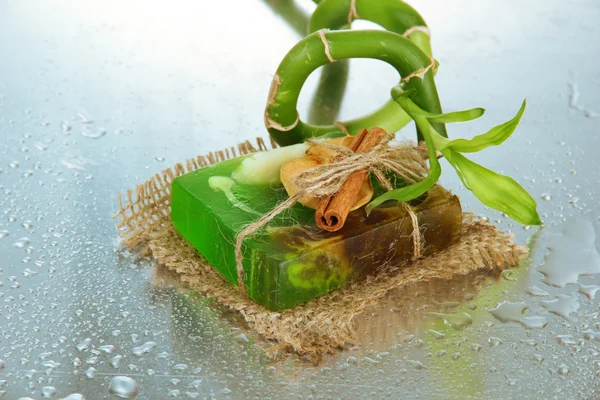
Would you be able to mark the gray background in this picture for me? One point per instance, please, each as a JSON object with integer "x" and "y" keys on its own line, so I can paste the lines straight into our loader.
{"x": 97, "y": 96}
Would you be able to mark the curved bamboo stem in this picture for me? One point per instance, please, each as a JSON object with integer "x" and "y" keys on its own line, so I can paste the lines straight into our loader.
{"x": 323, "y": 47}
{"x": 393, "y": 15}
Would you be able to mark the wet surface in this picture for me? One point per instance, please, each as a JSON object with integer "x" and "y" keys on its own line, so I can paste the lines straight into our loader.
{"x": 95, "y": 98}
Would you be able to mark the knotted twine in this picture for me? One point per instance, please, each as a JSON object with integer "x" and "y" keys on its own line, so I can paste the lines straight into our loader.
{"x": 404, "y": 160}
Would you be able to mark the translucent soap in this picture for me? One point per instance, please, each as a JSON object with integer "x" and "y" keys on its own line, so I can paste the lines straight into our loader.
{"x": 291, "y": 261}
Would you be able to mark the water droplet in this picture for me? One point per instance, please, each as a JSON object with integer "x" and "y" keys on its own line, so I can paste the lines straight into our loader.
{"x": 508, "y": 275}
{"x": 93, "y": 133}
{"x": 565, "y": 339}
{"x": 21, "y": 243}
{"x": 41, "y": 146}
{"x": 159, "y": 159}
{"x": 475, "y": 346}
{"x": 563, "y": 305}
{"x": 92, "y": 360}
{"x": 48, "y": 391}
{"x": 180, "y": 367}
{"x": 242, "y": 338}
{"x": 369, "y": 360}
{"x": 123, "y": 387}
{"x": 416, "y": 364}
{"x": 457, "y": 321}
{"x": 563, "y": 369}
{"x": 84, "y": 118}
{"x": 589, "y": 290}
{"x": 50, "y": 364}
{"x": 436, "y": 334}
{"x": 65, "y": 128}
{"x": 536, "y": 291}
{"x": 143, "y": 349}
{"x": 74, "y": 396}
{"x": 28, "y": 273}
{"x": 2, "y": 365}
{"x": 4, "y": 234}
{"x": 591, "y": 335}
{"x": 455, "y": 356}
{"x": 14, "y": 164}
{"x": 546, "y": 197}
{"x": 90, "y": 372}
{"x": 571, "y": 254}
{"x": 116, "y": 360}
{"x": 409, "y": 338}
{"x": 514, "y": 312}
{"x": 76, "y": 163}
{"x": 84, "y": 344}
{"x": 107, "y": 348}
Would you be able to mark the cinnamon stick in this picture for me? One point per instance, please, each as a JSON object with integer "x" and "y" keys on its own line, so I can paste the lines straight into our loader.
{"x": 333, "y": 210}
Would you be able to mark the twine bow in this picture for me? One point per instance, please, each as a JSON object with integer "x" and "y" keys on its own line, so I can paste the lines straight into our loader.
{"x": 405, "y": 161}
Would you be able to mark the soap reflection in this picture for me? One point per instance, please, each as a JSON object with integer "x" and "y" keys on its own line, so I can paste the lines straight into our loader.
{"x": 404, "y": 312}
{"x": 399, "y": 316}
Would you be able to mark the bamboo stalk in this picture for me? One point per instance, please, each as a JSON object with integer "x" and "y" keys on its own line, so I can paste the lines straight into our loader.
{"x": 321, "y": 48}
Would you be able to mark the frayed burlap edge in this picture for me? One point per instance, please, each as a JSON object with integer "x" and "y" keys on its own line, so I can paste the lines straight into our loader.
{"x": 319, "y": 326}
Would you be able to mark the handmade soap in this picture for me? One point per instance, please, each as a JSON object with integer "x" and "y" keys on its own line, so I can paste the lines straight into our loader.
{"x": 291, "y": 261}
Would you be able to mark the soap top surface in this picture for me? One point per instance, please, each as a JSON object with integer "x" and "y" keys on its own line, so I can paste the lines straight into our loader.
{"x": 238, "y": 205}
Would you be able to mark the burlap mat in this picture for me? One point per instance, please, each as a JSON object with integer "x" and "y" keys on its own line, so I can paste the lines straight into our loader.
{"x": 321, "y": 325}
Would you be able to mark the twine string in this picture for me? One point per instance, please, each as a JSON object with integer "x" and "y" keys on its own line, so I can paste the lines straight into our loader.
{"x": 324, "y": 180}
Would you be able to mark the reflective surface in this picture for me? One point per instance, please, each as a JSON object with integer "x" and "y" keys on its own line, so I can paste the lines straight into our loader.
{"x": 96, "y": 97}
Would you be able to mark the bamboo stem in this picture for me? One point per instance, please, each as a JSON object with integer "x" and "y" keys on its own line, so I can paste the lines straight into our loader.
{"x": 281, "y": 116}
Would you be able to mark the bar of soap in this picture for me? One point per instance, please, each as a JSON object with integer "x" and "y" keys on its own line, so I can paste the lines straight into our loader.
{"x": 291, "y": 261}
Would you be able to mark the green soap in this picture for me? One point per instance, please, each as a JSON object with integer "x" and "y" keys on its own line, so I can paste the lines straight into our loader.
{"x": 291, "y": 261}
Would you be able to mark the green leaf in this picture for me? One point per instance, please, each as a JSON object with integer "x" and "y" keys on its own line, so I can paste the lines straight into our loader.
{"x": 497, "y": 191}
{"x": 456, "y": 116}
{"x": 493, "y": 137}
{"x": 439, "y": 142}
{"x": 409, "y": 192}
{"x": 400, "y": 91}
{"x": 435, "y": 170}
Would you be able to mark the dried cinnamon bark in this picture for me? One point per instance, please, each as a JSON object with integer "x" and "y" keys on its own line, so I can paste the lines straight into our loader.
{"x": 333, "y": 210}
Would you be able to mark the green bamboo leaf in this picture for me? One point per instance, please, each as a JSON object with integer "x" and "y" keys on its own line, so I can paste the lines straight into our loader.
{"x": 400, "y": 91}
{"x": 409, "y": 192}
{"x": 456, "y": 116}
{"x": 439, "y": 142}
{"x": 435, "y": 169}
{"x": 497, "y": 191}
{"x": 493, "y": 137}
